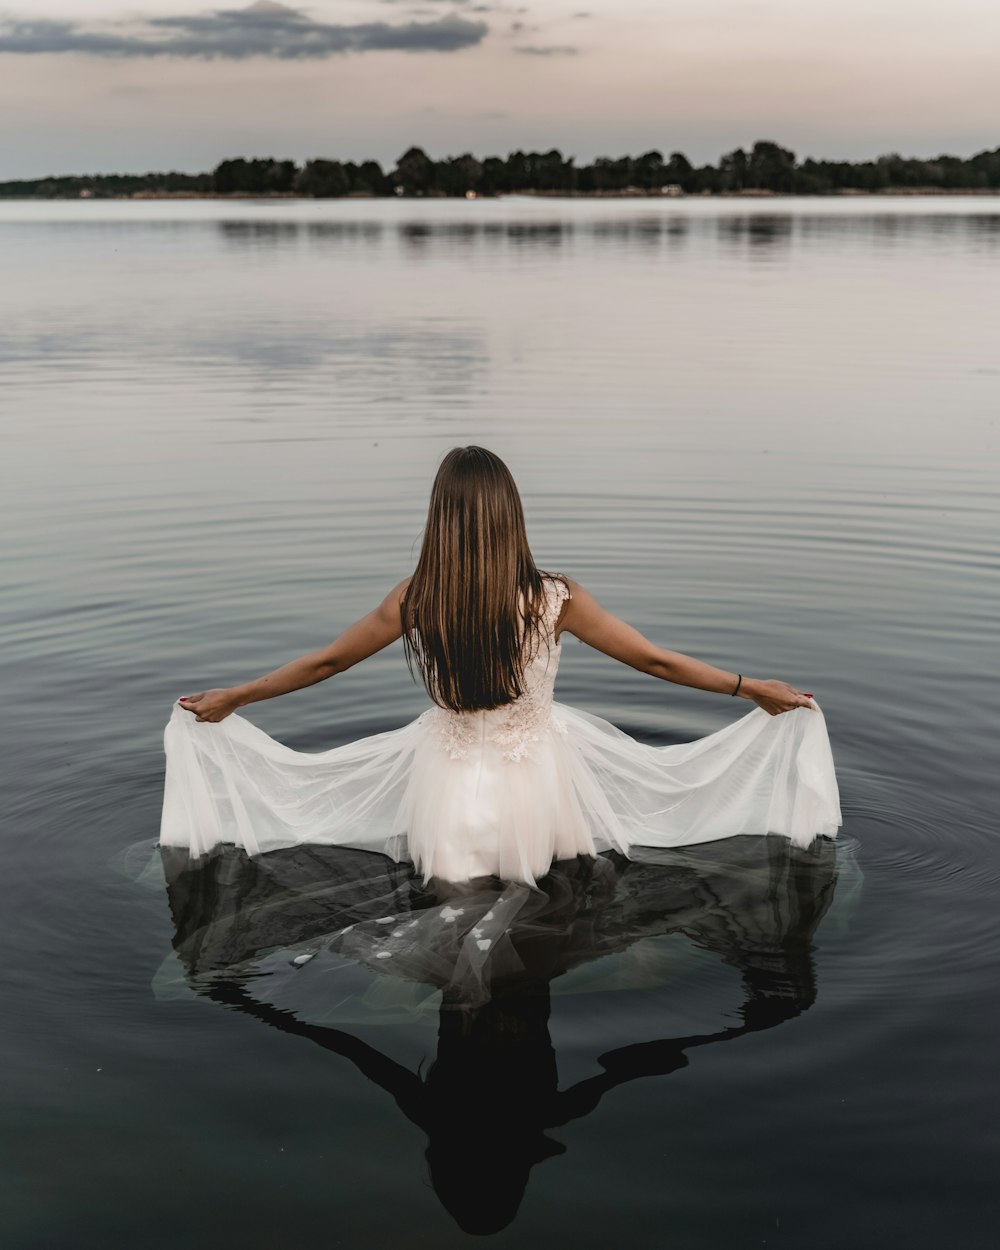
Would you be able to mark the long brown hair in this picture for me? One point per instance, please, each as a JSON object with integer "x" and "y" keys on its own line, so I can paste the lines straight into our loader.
{"x": 476, "y": 596}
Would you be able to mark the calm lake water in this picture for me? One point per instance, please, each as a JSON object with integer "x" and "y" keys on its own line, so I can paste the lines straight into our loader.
{"x": 765, "y": 434}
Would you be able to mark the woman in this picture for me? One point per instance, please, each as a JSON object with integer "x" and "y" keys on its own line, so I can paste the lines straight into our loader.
{"x": 495, "y": 779}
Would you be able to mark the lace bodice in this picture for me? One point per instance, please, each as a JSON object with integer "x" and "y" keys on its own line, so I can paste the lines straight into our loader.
{"x": 515, "y": 726}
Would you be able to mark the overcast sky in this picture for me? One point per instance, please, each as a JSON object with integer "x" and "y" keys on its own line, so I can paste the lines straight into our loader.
{"x": 104, "y": 85}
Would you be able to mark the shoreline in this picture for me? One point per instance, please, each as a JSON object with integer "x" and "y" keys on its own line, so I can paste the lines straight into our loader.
{"x": 628, "y": 194}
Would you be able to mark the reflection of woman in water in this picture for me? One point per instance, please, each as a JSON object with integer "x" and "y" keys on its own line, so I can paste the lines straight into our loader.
{"x": 494, "y": 779}
{"x": 753, "y": 902}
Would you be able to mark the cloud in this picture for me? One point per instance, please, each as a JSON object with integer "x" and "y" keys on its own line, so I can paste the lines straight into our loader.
{"x": 469, "y": 7}
{"x": 265, "y": 29}
{"x": 551, "y": 49}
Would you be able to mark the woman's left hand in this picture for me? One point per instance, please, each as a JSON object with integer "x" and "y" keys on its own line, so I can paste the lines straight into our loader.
{"x": 775, "y": 697}
{"x": 210, "y": 705}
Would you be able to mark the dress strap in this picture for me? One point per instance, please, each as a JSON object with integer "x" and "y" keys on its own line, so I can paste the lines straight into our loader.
{"x": 556, "y": 594}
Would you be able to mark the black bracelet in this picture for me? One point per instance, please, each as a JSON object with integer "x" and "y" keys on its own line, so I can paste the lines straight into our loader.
{"x": 738, "y": 684}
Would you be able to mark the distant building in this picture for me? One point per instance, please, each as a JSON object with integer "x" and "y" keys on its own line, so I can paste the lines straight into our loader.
{"x": 672, "y": 188}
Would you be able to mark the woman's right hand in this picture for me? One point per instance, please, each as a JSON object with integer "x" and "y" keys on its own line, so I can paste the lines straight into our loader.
{"x": 775, "y": 697}
{"x": 211, "y": 705}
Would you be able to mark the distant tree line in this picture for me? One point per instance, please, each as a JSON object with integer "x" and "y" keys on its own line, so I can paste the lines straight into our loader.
{"x": 765, "y": 167}
{"x": 107, "y": 186}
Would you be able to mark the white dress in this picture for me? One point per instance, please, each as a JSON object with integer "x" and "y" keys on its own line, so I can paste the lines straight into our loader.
{"x": 499, "y": 793}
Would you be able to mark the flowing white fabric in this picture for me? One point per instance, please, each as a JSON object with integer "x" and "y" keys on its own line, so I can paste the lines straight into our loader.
{"x": 502, "y": 792}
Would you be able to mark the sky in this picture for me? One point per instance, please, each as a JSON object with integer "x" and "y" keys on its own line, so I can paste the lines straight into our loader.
{"x": 102, "y": 86}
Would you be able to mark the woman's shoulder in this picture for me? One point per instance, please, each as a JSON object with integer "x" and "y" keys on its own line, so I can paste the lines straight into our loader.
{"x": 557, "y": 589}
{"x": 560, "y": 585}
{"x": 557, "y": 585}
{"x": 391, "y": 607}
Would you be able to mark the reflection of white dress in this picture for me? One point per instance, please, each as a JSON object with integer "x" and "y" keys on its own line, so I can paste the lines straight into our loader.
{"x": 501, "y": 792}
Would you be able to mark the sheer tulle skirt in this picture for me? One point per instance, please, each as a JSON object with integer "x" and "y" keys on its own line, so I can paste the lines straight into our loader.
{"x": 337, "y": 935}
{"x": 584, "y": 787}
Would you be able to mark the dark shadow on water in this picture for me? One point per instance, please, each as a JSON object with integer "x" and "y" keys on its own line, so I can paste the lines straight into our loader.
{"x": 753, "y": 903}
{"x": 760, "y": 231}
{"x": 276, "y": 233}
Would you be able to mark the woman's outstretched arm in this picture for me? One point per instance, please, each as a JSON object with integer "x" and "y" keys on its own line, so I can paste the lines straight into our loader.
{"x": 378, "y": 629}
{"x": 584, "y": 617}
